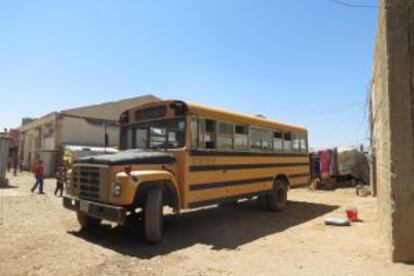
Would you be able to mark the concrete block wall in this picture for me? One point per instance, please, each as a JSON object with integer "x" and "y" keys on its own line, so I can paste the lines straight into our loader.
{"x": 393, "y": 125}
{"x": 381, "y": 127}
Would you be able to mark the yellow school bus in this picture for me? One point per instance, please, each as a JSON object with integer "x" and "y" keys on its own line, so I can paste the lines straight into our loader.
{"x": 185, "y": 155}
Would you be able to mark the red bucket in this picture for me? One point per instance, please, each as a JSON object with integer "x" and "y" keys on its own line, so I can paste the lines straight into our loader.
{"x": 352, "y": 214}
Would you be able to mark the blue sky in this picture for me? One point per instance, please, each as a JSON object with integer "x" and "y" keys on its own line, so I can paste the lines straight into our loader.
{"x": 305, "y": 62}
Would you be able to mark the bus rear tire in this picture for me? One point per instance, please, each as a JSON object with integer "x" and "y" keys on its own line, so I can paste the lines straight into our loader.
{"x": 153, "y": 216}
{"x": 276, "y": 200}
{"x": 87, "y": 222}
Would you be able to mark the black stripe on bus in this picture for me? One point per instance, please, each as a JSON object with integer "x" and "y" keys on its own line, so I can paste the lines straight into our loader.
{"x": 243, "y": 153}
{"x": 301, "y": 184}
{"x": 298, "y": 175}
{"x": 198, "y": 204}
{"x": 206, "y": 186}
{"x": 203, "y": 168}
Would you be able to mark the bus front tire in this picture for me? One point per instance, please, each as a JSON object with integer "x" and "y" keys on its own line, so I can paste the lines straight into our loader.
{"x": 276, "y": 200}
{"x": 87, "y": 222}
{"x": 153, "y": 216}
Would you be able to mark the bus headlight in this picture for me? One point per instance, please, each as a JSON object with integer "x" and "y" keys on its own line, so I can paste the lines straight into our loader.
{"x": 117, "y": 190}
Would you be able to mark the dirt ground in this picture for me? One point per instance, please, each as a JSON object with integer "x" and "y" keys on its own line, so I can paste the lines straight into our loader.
{"x": 39, "y": 237}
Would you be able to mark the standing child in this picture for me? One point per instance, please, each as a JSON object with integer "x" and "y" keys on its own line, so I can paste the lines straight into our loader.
{"x": 39, "y": 172}
{"x": 60, "y": 180}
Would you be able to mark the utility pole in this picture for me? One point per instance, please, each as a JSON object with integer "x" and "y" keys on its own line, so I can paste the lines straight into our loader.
{"x": 106, "y": 137}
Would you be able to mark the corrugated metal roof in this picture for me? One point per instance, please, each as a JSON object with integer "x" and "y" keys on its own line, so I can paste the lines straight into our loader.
{"x": 109, "y": 110}
{"x": 105, "y": 111}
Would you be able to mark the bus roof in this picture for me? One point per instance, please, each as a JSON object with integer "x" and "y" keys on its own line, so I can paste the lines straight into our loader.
{"x": 241, "y": 118}
{"x": 225, "y": 115}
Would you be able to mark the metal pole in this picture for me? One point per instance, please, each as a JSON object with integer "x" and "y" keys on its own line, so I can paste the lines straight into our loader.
{"x": 1, "y": 206}
{"x": 106, "y": 136}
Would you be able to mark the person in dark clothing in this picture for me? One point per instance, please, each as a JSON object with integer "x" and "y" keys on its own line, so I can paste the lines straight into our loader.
{"x": 60, "y": 180}
{"x": 15, "y": 166}
{"x": 39, "y": 172}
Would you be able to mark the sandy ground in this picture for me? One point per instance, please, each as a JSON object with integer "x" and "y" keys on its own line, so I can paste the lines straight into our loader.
{"x": 39, "y": 237}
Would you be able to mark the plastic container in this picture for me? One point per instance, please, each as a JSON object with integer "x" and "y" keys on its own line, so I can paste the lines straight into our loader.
{"x": 352, "y": 214}
{"x": 337, "y": 221}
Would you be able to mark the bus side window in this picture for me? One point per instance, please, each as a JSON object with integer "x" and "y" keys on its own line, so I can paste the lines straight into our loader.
{"x": 277, "y": 141}
{"x": 201, "y": 128}
{"x": 194, "y": 133}
{"x": 141, "y": 138}
{"x": 287, "y": 142}
{"x": 267, "y": 139}
{"x": 303, "y": 145}
{"x": 296, "y": 143}
{"x": 209, "y": 138}
{"x": 241, "y": 138}
{"x": 260, "y": 139}
{"x": 255, "y": 139}
{"x": 225, "y": 136}
{"x": 127, "y": 139}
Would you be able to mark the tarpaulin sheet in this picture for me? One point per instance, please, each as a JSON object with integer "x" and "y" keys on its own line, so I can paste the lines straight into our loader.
{"x": 325, "y": 161}
{"x": 328, "y": 162}
{"x": 354, "y": 163}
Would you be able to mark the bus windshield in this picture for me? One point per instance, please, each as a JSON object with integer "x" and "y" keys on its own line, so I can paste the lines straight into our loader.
{"x": 162, "y": 134}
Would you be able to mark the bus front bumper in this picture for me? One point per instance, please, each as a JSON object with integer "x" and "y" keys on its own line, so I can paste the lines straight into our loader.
{"x": 97, "y": 210}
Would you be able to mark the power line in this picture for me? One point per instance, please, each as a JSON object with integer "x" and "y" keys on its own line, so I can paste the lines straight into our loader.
{"x": 353, "y": 143}
{"x": 338, "y": 108}
{"x": 364, "y": 119}
{"x": 350, "y": 5}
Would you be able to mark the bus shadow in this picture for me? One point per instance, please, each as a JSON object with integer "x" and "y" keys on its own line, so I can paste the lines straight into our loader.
{"x": 8, "y": 187}
{"x": 225, "y": 228}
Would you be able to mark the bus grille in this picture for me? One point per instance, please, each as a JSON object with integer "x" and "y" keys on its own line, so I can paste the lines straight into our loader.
{"x": 89, "y": 182}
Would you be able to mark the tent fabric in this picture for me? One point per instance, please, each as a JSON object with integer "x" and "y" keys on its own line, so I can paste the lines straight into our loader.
{"x": 354, "y": 163}
{"x": 340, "y": 162}
{"x": 333, "y": 162}
{"x": 325, "y": 162}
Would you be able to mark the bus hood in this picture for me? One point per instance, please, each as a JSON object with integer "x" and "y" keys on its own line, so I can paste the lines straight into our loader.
{"x": 129, "y": 157}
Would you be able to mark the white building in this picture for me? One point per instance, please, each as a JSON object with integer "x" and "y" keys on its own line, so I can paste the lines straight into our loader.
{"x": 44, "y": 138}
